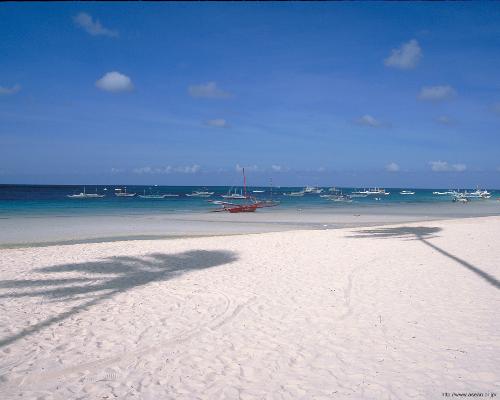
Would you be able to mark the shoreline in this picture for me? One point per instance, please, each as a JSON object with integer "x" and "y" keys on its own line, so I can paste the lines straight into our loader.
{"x": 28, "y": 231}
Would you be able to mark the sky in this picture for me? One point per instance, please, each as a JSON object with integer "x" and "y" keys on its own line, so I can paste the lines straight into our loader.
{"x": 337, "y": 94}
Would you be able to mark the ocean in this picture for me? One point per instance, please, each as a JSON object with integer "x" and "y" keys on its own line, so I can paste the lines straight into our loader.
{"x": 50, "y": 200}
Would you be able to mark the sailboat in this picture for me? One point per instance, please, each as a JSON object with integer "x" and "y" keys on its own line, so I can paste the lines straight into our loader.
{"x": 239, "y": 208}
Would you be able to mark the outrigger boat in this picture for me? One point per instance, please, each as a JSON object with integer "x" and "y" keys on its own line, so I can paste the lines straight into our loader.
{"x": 119, "y": 192}
{"x": 251, "y": 206}
{"x": 200, "y": 193}
{"x": 85, "y": 195}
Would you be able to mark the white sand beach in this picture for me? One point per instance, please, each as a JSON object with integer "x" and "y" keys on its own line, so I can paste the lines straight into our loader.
{"x": 405, "y": 311}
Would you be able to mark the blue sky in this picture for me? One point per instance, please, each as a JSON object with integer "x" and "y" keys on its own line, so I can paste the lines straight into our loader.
{"x": 352, "y": 94}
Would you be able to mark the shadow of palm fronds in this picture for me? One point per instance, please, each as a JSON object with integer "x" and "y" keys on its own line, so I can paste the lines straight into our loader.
{"x": 423, "y": 233}
{"x": 101, "y": 280}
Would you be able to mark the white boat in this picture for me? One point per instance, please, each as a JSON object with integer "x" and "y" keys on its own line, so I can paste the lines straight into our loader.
{"x": 258, "y": 191}
{"x": 170, "y": 195}
{"x": 312, "y": 190}
{"x": 406, "y": 192}
{"x": 447, "y": 193}
{"x": 152, "y": 196}
{"x": 234, "y": 195}
{"x": 478, "y": 194}
{"x": 294, "y": 194}
{"x": 200, "y": 193}
{"x": 85, "y": 195}
{"x": 371, "y": 192}
{"x": 460, "y": 198}
{"x": 119, "y": 192}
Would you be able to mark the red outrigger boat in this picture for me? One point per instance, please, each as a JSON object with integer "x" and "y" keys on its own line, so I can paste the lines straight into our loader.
{"x": 239, "y": 208}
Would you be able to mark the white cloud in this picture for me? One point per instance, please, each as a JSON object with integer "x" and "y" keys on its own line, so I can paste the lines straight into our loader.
{"x": 368, "y": 120}
{"x": 250, "y": 168}
{"x": 444, "y": 120}
{"x": 9, "y": 90}
{"x": 115, "y": 82}
{"x": 207, "y": 90}
{"x": 188, "y": 169}
{"x": 93, "y": 27}
{"x": 405, "y": 57}
{"x": 392, "y": 167}
{"x": 218, "y": 123}
{"x": 443, "y": 166}
{"x": 117, "y": 170}
{"x": 436, "y": 93}
{"x": 277, "y": 168}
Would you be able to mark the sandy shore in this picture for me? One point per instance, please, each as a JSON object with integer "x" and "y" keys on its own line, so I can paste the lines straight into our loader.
{"x": 393, "y": 312}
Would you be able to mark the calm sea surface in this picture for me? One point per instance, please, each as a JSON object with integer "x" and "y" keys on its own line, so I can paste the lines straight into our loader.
{"x": 33, "y": 200}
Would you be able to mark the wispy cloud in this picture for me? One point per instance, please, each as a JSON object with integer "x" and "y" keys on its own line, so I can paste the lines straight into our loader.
{"x": 392, "y": 167}
{"x": 444, "y": 120}
{"x": 6, "y": 91}
{"x": 406, "y": 56}
{"x": 93, "y": 27}
{"x": 218, "y": 123}
{"x": 208, "y": 90}
{"x": 115, "y": 82}
{"x": 443, "y": 166}
{"x": 368, "y": 120}
{"x": 278, "y": 168}
{"x": 188, "y": 169}
{"x": 437, "y": 93}
{"x": 249, "y": 168}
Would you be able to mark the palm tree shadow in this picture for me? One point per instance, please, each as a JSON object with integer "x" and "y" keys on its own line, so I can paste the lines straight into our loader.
{"x": 101, "y": 280}
{"x": 423, "y": 234}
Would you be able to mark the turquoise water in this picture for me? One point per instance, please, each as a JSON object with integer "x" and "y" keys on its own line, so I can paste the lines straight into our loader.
{"x": 51, "y": 200}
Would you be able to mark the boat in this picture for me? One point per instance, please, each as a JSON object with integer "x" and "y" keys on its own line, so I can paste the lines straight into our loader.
{"x": 460, "y": 198}
{"x": 170, "y": 195}
{"x": 371, "y": 192}
{"x": 406, "y": 192}
{"x": 258, "y": 191}
{"x": 152, "y": 196}
{"x": 478, "y": 193}
{"x": 234, "y": 195}
{"x": 447, "y": 193}
{"x": 119, "y": 192}
{"x": 251, "y": 206}
{"x": 294, "y": 194}
{"x": 312, "y": 190}
{"x": 85, "y": 195}
{"x": 200, "y": 193}
{"x": 358, "y": 195}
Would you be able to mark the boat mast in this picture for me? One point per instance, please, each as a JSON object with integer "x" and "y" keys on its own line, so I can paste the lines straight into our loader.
{"x": 244, "y": 182}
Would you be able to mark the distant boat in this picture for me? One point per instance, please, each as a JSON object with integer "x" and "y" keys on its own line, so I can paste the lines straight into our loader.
{"x": 312, "y": 190}
{"x": 234, "y": 195}
{"x": 372, "y": 192}
{"x": 152, "y": 196}
{"x": 200, "y": 193}
{"x": 258, "y": 191}
{"x": 294, "y": 194}
{"x": 85, "y": 195}
{"x": 119, "y": 192}
{"x": 406, "y": 192}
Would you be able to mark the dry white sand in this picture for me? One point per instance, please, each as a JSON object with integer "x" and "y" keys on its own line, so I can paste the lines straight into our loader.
{"x": 395, "y": 312}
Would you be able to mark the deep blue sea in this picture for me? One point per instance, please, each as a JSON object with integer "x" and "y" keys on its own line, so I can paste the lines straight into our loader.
{"x": 46, "y": 200}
